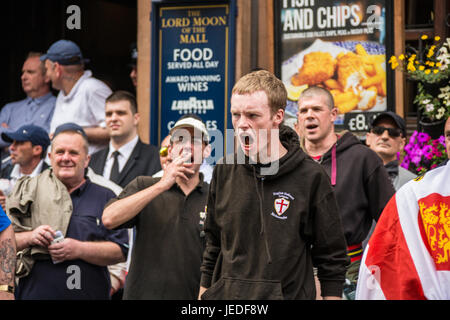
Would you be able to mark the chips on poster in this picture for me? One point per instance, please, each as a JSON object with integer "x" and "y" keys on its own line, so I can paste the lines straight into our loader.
{"x": 338, "y": 45}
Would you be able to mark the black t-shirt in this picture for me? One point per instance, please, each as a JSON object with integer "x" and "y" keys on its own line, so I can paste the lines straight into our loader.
{"x": 76, "y": 279}
{"x": 167, "y": 252}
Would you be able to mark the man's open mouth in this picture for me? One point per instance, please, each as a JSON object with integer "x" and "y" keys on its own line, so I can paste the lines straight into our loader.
{"x": 246, "y": 140}
{"x": 311, "y": 126}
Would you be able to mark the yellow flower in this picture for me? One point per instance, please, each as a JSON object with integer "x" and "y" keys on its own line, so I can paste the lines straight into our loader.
{"x": 394, "y": 65}
{"x": 411, "y": 67}
{"x": 421, "y": 68}
{"x": 437, "y": 38}
{"x": 401, "y": 57}
{"x": 436, "y": 71}
{"x": 431, "y": 64}
{"x": 393, "y": 62}
{"x": 424, "y": 37}
{"x": 438, "y": 64}
{"x": 428, "y": 71}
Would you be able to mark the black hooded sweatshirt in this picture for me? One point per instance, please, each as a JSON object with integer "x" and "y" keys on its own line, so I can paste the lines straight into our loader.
{"x": 266, "y": 231}
{"x": 362, "y": 186}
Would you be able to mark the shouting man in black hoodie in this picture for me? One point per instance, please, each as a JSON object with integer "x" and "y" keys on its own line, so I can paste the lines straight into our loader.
{"x": 271, "y": 211}
{"x": 360, "y": 181}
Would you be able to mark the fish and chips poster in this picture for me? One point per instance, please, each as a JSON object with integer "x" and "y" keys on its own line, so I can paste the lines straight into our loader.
{"x": 339, "y": 45}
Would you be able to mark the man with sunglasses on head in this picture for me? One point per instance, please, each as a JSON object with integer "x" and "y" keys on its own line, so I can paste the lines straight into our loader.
{"x": 387, "y": 137}
{"x": 360, "y": 182}
{"x": 168, "y": 214}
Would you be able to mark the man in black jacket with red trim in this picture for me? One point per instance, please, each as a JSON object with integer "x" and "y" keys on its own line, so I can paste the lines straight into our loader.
{"x": 360, "y": 181}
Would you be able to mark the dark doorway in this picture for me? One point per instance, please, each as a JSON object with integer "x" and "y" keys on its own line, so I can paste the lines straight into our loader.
{"x": 108, "y": 28}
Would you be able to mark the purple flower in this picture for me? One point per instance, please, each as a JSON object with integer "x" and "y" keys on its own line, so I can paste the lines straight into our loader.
{"x": 405, "y": 164}
{"x": 423, "y": 137}
{"x": 416, "y": 160}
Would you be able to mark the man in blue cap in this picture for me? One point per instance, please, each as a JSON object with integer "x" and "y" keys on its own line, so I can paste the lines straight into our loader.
{"x": 64, "y": 199}
{"x": 28, "y": 146}
{"x": 82, "y": 97}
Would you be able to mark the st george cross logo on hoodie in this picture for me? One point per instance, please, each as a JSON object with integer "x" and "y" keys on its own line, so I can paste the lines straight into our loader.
{"x": 281, "y": 204}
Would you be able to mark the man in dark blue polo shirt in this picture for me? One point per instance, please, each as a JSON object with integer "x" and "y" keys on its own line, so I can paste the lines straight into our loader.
{"x": 77, "y": 268}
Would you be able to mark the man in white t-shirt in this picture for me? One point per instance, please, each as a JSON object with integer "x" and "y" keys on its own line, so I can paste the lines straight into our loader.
{"x": 81, "y": 98}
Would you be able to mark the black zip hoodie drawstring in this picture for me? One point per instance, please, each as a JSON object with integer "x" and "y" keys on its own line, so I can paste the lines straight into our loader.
{"x": 261, "y": 214}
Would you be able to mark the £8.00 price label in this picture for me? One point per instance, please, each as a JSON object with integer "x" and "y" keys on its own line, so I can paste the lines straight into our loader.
{"x": 358, "y": 122}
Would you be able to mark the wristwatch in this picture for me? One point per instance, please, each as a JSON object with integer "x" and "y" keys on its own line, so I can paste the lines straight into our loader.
{"x": 6, "y": 288}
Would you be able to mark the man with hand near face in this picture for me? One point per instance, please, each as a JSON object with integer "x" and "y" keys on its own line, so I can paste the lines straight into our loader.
{"x": 271, "y": 210}
{"x": 387, "y": 137}
{"x": 64, "y": 199}
{"x": 168, "y": 213}
{"x": 28, "y": 149}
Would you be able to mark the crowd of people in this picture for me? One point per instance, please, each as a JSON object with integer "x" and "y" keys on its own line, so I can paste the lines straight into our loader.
{"x": 90, "y": 211}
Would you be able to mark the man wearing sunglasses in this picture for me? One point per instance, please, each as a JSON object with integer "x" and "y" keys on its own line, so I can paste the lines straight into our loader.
{"x": 387, "y": 137}
{"x": 168, "y": 214}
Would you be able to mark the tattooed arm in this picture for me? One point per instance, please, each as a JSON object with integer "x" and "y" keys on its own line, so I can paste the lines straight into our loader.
{"x": 7, "y": 261}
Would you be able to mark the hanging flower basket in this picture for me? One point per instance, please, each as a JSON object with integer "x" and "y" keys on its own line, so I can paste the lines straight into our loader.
{"x": 433, "y": 128}
{"x": 429, "y": 67}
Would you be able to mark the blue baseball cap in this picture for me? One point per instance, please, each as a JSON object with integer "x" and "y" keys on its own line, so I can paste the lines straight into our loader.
{"x": 69, "y": 126}
{"x": 36, "y": 135}
{"x": 65, "y": 52}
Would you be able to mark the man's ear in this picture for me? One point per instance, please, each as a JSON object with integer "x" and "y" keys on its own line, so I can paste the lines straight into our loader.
{"x": 334, "y": 113}
{"x": 278, "y": 117}
{"x": 402, "y": 143}
{"x": 368, "y": 139}
{"x": 207, "y": 151}
{"x": 137, "y": 118}
{"x": 88, "y": 159}
{"x": 37, "y": 150}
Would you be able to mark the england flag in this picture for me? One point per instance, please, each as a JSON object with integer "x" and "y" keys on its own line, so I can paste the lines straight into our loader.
{"x": 408, "y": 255}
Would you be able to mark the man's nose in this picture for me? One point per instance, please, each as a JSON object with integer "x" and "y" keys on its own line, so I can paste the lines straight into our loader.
{"x": 114, "y": 116}
{"x": 243, "y": 122}
{"x": 65, "y": 156}
{"x": 385, "y": 135}
{"x": 309, "y": 113}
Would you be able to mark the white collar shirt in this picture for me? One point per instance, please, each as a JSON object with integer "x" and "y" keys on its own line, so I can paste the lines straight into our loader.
{"x": 16, "y": 174}
{"x": 124, "y": 154}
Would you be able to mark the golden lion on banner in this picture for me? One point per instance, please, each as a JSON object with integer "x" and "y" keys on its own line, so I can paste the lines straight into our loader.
{"x": 436, "y": 223}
